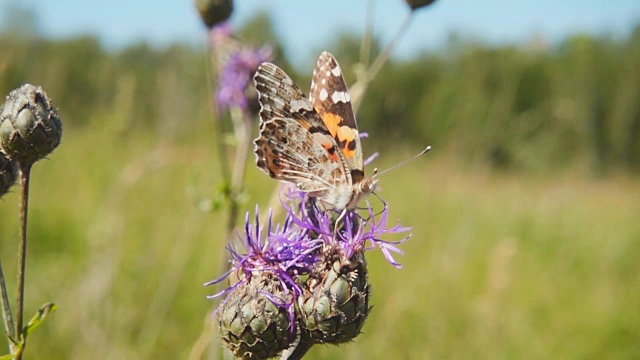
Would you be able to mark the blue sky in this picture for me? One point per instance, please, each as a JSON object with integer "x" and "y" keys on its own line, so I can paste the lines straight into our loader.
{"x": 307, "y": 25}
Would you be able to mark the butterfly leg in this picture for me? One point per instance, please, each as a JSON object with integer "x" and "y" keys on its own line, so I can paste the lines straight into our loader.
{"x": 382, "y": 201}
{"x": 336, "y": 225}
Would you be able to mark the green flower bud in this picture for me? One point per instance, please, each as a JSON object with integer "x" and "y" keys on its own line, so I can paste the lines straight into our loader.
{"x": 416, "y": 4}
{"x": 8, "y": 174}
{"x": 29, "y": 125}
{"x": 213, "y": 12}
{"x": 251, "y": 325}
{"x": 335, "y": 303}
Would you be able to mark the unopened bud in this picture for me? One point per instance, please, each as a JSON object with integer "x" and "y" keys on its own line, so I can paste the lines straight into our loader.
{"x": 251, "y": 325}
{"x": 8, "y": 174}
{"x": 213, "y": 12}
{"x": 416, "y": 4}
{"x": 335, "y": 304}
{"x": 29, "y": 125}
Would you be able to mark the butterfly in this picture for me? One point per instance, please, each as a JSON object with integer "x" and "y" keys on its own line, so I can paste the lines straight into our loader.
{"x": 313, "y": 143}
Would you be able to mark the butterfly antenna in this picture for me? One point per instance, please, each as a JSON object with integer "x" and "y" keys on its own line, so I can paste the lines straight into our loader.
{"x": 376, "y": 173}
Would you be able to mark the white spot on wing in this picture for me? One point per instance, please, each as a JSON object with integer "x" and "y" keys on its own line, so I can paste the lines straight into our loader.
{"x": 336, "y": 71}
{"x": 328, "y": 73}
{"x": 340, "y": 96}
{"x": 324, "y": 81}
{"x": 297, "y": 104}
{"x": 324, "y": 94}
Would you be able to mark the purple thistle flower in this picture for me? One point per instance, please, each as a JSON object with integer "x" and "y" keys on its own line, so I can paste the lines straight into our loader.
{"x": 302, "y": 266}
{"x": 220, "y": 34}
{"x": 235, "y": 76}
{"x": 371, "y": 231}
{"x": 285, "y": 251}
{"x": 356, "y": 236}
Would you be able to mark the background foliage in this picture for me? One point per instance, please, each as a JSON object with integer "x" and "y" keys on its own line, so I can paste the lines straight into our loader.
{"x": 525, "y": 214}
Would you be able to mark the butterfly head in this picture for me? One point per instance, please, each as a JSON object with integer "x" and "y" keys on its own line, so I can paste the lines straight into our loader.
{"x": 363, "y": 189}
{"x": 368, "y": 185}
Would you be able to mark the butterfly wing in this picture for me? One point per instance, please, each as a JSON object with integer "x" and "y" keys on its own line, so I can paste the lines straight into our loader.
{"x": 294, "y": 143}
{"x": 279, "y": 97}
{"x": 330, "y": 98}
{"x": 287, "y": 151}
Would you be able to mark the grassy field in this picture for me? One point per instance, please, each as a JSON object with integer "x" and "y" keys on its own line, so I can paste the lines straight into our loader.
{"x": 501, "y": 266}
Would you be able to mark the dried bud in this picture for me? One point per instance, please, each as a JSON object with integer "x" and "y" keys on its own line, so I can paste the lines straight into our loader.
{"x": 251, "y": 324}
{"x": 416, "y": 4}
{"x": 335, "y": 304}
{"x": 213, "y": 12}
{"x": 29, "y": 125}
{"x": 8, "y": 174}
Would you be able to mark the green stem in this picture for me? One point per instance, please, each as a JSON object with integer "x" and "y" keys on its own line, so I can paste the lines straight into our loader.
{"x": 6, "y": 309}
{"x": 25, "y": 176}
{"x": 384, "y": 56}
{"x": 365, "y": 47}
{"x": 359, "y": 89}
{"x": 218, "y": 135}
{"x": 242, "y": 129}
{"x": 297, "y": 351}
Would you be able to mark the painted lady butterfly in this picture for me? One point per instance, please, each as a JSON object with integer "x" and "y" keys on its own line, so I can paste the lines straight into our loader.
{"x": 312, "y": 143}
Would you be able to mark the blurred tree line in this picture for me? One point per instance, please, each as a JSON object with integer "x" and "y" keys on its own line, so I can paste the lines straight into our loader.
{"x": 532, "y": 107}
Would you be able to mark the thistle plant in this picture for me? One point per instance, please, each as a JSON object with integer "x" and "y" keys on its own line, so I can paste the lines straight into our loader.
{"x": 8, "y": 174}
{"x": 304, "y": 282}
{"x": 301, "y": 283}
{"x": 233, "y": 65}
{"x": 30, "y": 129}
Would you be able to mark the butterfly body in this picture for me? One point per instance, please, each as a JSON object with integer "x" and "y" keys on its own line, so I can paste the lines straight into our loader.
{"x": 312, "y": 143}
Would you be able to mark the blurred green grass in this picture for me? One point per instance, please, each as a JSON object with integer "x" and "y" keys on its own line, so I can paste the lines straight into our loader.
{"x": 519, "y": 251}
{"x": 501, "y": 265}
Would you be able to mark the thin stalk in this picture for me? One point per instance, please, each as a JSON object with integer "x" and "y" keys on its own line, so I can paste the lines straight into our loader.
{"x": 384, "y": 56}
{"x": 217, "y": 136}
{"x": 365, "y": 47}
{"x": 6, "y": 309}
{"x": 242, "y": 127}
{"x": 25, "y": 177}
{"x": 359, "y": 89}
{"x": 298, "y": 350}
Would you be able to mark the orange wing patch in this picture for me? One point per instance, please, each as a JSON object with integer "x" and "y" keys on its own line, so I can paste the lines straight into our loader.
{"x": 346, "y": 139}
{"x": 333, "y": 122}
{"x": 344, "y": 135}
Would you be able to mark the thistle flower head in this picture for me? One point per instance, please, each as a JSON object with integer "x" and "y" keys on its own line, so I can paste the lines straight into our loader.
{"x": 308, "y": 272}
{"x": 30, "y": 128}
{"x": 417, "y": 4}
{"x": 220, "y": 34}
{"x": 212, "y": 12}
{"x": 236, "y": 74}
{"x": 286, "y": 251}
{"x": 8, "y": 174}
{"x": 357, "y": 234}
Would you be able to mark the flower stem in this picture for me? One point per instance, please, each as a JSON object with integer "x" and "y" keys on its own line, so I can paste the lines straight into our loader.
{"x": 365, "y": 47}
{"x": 360, "y": 88}
{"x": 25, "y": 176}
{"x": 6, "y": 308}
{"x": 242, "y": 129}
{"x": 384, "y": 56}
{"x": 297, "y": 351}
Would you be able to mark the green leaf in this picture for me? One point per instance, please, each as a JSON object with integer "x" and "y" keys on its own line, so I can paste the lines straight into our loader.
{"x": 7, "y": 357}
{"x": 38, "y": 318}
